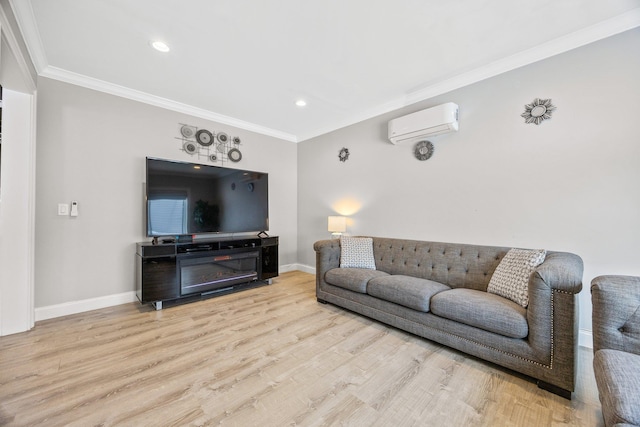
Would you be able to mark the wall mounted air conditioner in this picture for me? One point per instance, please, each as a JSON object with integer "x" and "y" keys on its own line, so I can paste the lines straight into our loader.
{"x": 423, "y": 124}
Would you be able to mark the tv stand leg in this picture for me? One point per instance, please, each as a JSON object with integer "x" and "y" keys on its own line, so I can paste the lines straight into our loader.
{"x": 157, "y": 305}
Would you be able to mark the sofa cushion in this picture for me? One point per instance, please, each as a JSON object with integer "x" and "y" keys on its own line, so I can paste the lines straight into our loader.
{"x": 511, "y": 277}
{"x": 482, "y": 310}
{"x": 408, "y": 291}
{"x": 353, "y": 279}
{"x": 356, "y": 252}
{"x": 618, "y": 378}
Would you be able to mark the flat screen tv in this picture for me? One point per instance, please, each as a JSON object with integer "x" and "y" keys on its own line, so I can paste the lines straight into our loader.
{"x": 188, "y": 198}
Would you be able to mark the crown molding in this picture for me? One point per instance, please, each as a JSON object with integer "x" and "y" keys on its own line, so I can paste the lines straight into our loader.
{"x": 602, "y": 30}
{"x": 29, "y": 29}
{"x": 21, "y": 57}
{"x": 136, "y": 95}
{"x": 26, "y": 20}
{"x": 378, "y": 110}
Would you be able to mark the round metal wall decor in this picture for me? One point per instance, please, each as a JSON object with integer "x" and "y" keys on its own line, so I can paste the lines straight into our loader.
{"x": 234, "y": 155}
{"x": 344, "y": 155}
{"x": 222, "y": 137}
{"x": 423, "y": 150}
{"x": 204, "y": 137}
{"x": 187, "y": 131}
{"x": 217, "y": 147}
{"x": 538, "y": 111}
{"x": 189, "y": 147}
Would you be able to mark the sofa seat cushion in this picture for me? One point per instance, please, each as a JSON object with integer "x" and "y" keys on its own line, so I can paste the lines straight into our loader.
{"x": 353, "y": 279}
{"x": 482, "y": 310}
{"x": 618, "y": 378}
{"x": 411, "y": 292}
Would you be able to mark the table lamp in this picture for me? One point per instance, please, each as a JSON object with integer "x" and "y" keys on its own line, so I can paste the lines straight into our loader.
{"x": 337, "y": 226}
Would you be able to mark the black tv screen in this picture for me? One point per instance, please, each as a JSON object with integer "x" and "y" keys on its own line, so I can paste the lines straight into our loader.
{"x": 188, "y": 198}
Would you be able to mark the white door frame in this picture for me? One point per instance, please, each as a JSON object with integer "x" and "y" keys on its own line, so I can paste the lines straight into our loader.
{"x": 17, "y": 201}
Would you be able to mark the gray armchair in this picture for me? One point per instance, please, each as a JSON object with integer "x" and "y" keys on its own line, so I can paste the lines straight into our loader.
{"x": 616, "y": 346}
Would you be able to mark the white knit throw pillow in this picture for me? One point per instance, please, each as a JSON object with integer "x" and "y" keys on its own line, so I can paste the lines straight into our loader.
{"x": 356, "y": 252}
{"x": 511, "y": 278}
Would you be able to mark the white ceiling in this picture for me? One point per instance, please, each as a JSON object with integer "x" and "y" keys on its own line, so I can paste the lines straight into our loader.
{"x": 245, "y": 63}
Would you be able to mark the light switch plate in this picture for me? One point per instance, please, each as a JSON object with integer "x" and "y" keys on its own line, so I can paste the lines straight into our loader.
{"x": 63, "y": 209}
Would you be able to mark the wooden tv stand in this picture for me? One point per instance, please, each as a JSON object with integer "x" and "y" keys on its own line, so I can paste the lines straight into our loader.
{"x": 184, "y": 271}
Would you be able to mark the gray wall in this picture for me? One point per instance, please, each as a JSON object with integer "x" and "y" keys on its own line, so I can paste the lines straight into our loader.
{"x": 92, "y": 148}
{"x": 569, "y": 184}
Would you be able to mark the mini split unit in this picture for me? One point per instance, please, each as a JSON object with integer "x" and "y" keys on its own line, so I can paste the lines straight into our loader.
{"x": 433, "y": 121}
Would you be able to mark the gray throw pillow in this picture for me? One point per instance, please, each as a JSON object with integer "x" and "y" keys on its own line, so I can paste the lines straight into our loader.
{"x": 511, "y": 278}
{"x": 356, "y": 252}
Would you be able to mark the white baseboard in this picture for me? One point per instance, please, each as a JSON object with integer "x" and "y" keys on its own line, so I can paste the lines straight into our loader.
{"x": 305, "y": 268}
{"x": 585, "y": 338}
{"x": 74, "y": 307}
{"x": 287, "y": 268}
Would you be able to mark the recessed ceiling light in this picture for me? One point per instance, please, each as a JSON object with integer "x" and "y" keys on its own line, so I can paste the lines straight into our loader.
{"x": 301, "y": 103}
{"x": 160, "y": 46}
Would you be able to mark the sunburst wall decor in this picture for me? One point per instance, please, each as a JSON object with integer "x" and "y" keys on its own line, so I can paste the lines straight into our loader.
{"x": 538, "y": 111}
{"x": 423, "y": 150}
{"x": 344, "y": 155}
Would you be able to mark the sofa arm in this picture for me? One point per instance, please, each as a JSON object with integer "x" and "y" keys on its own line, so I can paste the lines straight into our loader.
{"x": 561, "y": 271}
{"x": 327, "y": 255}
{"x": 616, "y": 313}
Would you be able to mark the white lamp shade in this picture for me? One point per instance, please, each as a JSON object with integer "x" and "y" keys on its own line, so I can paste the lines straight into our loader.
{"x": 337, "y": 224}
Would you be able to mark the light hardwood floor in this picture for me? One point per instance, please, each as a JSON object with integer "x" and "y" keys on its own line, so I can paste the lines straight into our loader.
{"x": 270, "y": 356}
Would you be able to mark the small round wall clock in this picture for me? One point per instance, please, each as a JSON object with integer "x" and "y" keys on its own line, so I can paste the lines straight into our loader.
{"x": 423, "y": 150}
{"x": 204, "y": 137}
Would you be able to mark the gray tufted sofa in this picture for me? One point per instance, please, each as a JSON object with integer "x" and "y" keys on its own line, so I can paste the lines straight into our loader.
{"x": 438, "y": 292}
{"x": 616, "y": 346}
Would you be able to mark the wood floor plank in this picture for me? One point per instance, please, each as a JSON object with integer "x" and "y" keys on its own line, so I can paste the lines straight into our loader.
{"x": 269, "y": 356}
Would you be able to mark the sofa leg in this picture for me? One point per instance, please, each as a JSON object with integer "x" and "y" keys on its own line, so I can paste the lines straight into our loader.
{"x": 321, "y": 301}
{"x": 554, "y": 389}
